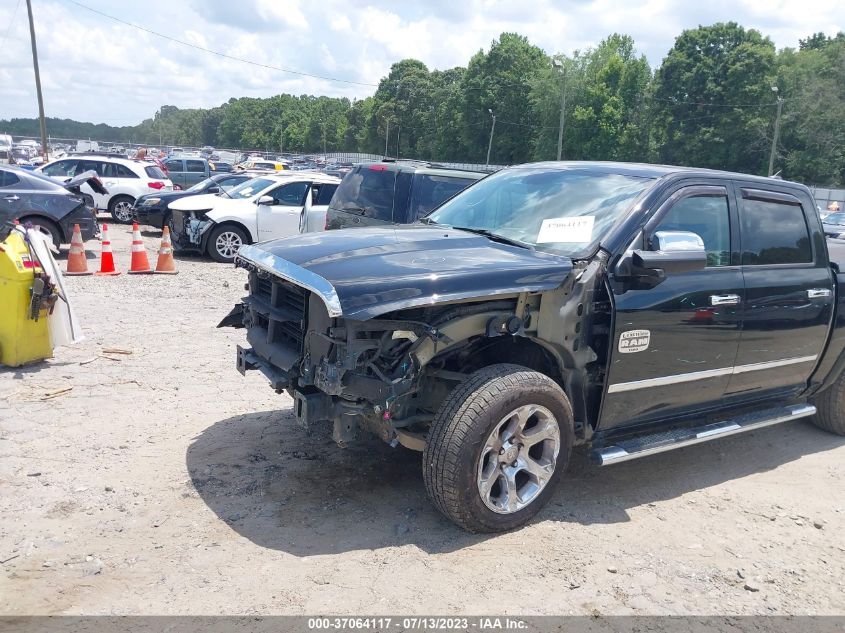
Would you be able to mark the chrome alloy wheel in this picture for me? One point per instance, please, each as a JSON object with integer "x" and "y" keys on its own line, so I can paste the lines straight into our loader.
{"x": 228, "y": 243}
{"x": 518, "y": 459}
{"x": 123, "y": 211}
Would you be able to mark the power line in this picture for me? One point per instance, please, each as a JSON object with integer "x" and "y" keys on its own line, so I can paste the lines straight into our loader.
{"x": 11, "y": 23}
{"x": 218, "y": 53}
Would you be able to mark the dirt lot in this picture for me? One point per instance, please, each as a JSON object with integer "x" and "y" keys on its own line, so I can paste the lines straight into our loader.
{"x": 163, "y": 482}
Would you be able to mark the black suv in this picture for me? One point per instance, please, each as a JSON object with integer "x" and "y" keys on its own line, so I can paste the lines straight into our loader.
{"x": 394, "y": 192}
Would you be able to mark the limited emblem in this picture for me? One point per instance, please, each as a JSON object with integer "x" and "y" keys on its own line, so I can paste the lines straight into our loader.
{"x": 634, "y": 341}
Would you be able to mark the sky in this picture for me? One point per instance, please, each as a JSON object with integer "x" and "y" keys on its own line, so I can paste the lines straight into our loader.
{"x": 94, "y": 68}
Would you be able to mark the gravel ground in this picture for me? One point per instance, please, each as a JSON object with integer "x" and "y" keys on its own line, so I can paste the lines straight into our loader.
{"x": 164, "y": 482}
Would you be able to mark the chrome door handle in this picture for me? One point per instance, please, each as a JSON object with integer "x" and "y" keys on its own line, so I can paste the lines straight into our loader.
{"x": 724, "y": 300}
{"x": 11, "y": 197}
{"x": 818, "y": 293}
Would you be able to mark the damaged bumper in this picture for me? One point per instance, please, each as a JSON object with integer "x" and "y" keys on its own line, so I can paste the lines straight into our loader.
{"x": 190, "y": 230}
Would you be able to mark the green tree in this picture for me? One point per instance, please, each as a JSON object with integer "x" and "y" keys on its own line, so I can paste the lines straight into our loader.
{"x": 812, "y": 139}
{"x": 710, "y": 99}
{"x": 500, "y": 80}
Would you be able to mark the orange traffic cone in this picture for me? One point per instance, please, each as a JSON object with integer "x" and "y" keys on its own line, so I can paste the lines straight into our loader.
{"x": 140, "y": 263}
{"x": 165, "y": 263}
{"x": 77, "y": 263}
{"x": 106, "y": 259}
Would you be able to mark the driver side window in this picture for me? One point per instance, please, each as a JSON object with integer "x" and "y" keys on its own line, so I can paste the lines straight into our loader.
{"x": 707, "y": 216}
{"x": 292, "y": 195}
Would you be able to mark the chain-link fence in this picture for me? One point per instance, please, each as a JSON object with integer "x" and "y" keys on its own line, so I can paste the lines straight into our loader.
{"x": 236, "y": 154}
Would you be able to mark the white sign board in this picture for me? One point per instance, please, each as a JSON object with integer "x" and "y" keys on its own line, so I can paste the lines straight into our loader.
{"x": 577, "y": 229}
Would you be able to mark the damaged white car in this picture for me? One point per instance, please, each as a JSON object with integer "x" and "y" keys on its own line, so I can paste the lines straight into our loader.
{"x": 267, "y": 207}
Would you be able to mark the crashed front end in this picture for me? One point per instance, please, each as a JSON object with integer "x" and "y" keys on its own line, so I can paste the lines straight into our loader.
{"x": 190, "y": 229}
{"x": 354, "y": 374}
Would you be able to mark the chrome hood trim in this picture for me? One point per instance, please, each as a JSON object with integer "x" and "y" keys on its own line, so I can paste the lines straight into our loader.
{"x": 293, "y": 273}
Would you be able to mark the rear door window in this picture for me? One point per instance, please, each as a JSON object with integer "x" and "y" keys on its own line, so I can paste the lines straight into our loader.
{"x": 124, "y": 172}
{"x": 774, "y": 230}
{"x": 325, "y": 193}
{"x": 292, "y": 195}
{"x": 174, "y": 165}
{"x": 195, "y": 166}
{"x": 90, "y": 165}
{"x": 430, "y": 191}
{"x": 367, "y": 191}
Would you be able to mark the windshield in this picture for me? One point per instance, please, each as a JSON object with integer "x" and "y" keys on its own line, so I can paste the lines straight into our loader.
{"x": 249, "y": 188}
{"x": 562, "y": 210}
{"x": 835, "y": 218}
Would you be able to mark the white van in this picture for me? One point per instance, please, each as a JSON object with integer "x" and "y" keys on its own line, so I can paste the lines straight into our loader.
{"x": 87, "y": 146}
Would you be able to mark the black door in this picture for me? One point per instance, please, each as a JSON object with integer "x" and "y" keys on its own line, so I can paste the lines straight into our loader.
{"x": 675, "y": 340}
{"x": 789, "y": 294}
{"x": 11, "y": 196}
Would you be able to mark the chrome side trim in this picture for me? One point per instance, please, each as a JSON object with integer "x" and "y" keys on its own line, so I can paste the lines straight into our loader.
{"x": 709, "y": 373}
{"x": 668, "y": 380}
{"x": 293, "y": 273}
{"x": 774, "y": 363}
{"x": 617, "y": 454}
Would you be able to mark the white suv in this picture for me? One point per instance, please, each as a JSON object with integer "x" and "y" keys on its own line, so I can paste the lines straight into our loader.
{"x": 125, "y": 179}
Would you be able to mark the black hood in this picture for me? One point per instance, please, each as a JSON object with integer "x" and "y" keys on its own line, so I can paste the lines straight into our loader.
{"x": 169, "y": 196}
{"x": 373, "y": 271}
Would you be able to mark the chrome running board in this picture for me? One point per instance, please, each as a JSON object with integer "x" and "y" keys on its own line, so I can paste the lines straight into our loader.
{"x": 643, "y": 445}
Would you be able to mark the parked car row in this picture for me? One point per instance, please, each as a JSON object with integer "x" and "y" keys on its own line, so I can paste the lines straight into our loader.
{"x": 215, "y": 213}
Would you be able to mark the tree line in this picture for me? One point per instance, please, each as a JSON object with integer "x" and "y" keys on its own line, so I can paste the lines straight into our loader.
{"x": 711, "y": 103}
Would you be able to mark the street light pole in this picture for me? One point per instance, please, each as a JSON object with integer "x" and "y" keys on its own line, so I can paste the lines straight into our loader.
{"x": 490, "y": 142}
{"x": 37, "y": 80}
{"x": 386, "y": 135}
{"x": 562, "y": 67}
{"x": 777, "y": 133}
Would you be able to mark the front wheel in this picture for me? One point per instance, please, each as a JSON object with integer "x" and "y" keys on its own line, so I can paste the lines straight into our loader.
{"x": 497, "y": 448}
{"x": 224, "y": 242}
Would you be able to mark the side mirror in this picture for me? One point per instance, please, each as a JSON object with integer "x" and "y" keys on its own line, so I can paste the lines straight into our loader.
{"x": 674, "y": 252}
{"x": 265, "y": 200}
{"x": 213, "y": 190}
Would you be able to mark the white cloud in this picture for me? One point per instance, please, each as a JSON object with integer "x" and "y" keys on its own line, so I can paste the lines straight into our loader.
{"x": 96, "y": 69}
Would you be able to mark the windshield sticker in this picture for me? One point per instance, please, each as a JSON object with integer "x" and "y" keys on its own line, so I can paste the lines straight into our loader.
{"x": 577, "y": 229}
{"x": 634, "y": 341}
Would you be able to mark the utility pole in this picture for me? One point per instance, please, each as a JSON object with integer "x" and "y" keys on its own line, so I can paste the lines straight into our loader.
{"x": 386, "y": 135}
{"x": 562, "y": 68}
{"x": 37, "y": 80}
{"x": 777, "y": 133}
{"x": 490, "y": 143}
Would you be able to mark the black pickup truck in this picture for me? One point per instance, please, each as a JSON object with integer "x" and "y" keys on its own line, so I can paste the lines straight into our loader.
{"x": 631, "y": 308}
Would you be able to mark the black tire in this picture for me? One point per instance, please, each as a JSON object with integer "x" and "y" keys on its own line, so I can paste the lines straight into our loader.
{"x": 459, "y": 433}
{"x": 217, "y": 252}
{"x": 119, "y": 210}
{"x": 830, "y": 405}
{"x": 167, "y": 220}
{"x": 48, "y": 227}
